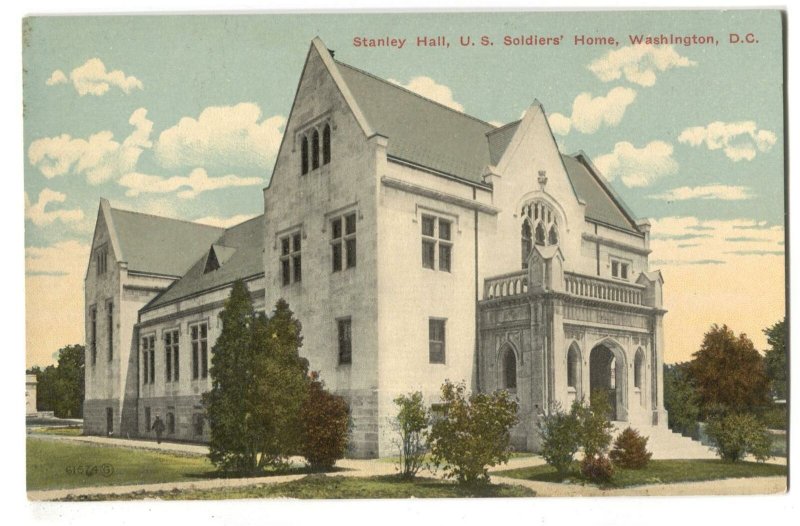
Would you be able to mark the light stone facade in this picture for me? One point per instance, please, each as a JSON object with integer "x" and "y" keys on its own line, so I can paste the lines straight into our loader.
{"x": 485, "y": 310}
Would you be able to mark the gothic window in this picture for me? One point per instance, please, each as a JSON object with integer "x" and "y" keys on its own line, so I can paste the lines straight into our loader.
{"x": 573, "y": 367}
{"x": 110, "y": 327}
{"x": 304, "y": 156}
{"x": 315, "y": 150}
{"x": 326, "y": 144}
{"x": 101, "y": 260}
{"x": 93, "y": 332}
{"x": 539, "y": 226}
{"x": 509, "y": 369}
{"x": 638, "y": 369}
{"x": 345, "y": 336}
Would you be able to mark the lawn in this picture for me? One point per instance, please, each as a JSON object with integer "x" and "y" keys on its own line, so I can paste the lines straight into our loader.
{"x": 54, "y": 464}
{"x": 427, "y": 457}
{"x": 335, "y": 487}
{"x": 73, "y": 431}
{"x": 659, "y": 472}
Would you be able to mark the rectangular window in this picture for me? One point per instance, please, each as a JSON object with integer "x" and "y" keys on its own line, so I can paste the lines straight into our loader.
{"x": 343, "y": 241}
{"x": 197, "y": 423}
{"x": 620, "y": 269}
{"x": 291, "y": 261}
{"x": 436, "y": 340}
{"x": 199, "y": 335}
{"x": 171, "y": 354}
{"x": 101, "y": 260}
{"x": 93, "y": 332}
{"x": 148, "y": 359}
{"x": 110, "y": 324}
{"x": 147, "y": 420}
{"x": 171, "y": 423}
{"x": 345, "y": 341}
{"x": 437, "y": 246}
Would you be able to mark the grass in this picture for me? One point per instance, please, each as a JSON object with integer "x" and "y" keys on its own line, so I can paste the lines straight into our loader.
{"x": 659, "y": 472}
{"x": 334, "y": 487}
{"x": 427, "y": 457}
{"x": 72, "y": 431}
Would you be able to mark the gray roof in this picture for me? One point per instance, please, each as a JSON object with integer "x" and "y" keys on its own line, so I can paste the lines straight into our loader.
{"x": 239, "y": 251}
{"x": 420, "y": 130}
{"x": 602, "y": 204}
{"x": 160, "y": 245}
{"x": 429, "y": 134}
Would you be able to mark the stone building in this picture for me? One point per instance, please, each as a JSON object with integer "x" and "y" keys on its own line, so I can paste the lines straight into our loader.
{"x": 416, "y": 244}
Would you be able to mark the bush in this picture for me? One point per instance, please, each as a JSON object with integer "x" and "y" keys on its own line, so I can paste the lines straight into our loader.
{"x": 597, "y": 468}
{"x": 736, "y": 435}
{"x": 560, "y": 432}
{"x": 630, "y": 450}
{"x": 412, "y": 424}
{"x": 326, "y": 420}
{"x": 775, "y": 417}
{"x": 473, "y": 433}
{"x": 595, "y": 427}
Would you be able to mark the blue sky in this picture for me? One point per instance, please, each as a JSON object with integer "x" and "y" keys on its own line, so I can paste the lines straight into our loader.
{"x": 146, "y": 111}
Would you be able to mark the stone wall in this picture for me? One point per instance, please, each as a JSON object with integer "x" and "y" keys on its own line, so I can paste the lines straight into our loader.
{"x": 364, "y": 433}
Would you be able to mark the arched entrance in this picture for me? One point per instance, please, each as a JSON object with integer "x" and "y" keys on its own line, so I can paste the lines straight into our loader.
{"x": 607, "y": 374}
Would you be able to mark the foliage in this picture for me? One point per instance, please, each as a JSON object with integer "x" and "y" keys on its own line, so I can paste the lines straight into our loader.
{"x": 597, "y": 468}
{"x": 735, "y": 435}
{"x": 413, "y": 421}
{"x": 729, "y": 373}
{"x": 630, "y": 450}
{"x": 259, "y": 386}
{"x": 60, "y": 387}
{"x": 326, "y": 422}
{"x": 473, "y": 434}
{"x": 561, "y": 437}
{"x": 776, "y": 416}
{"x": 681, "y": 399}
{"x": 595, "y": 427}
{"x": 776, "y": 358}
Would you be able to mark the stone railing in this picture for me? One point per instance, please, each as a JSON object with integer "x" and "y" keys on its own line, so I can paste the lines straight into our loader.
{"x": 603, "y": 289}
{"x": 505, "y": 285}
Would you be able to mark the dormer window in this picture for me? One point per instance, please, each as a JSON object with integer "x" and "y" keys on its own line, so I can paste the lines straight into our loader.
{"x": 539, "y": 226}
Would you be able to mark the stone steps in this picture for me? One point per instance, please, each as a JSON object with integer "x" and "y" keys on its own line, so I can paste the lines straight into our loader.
{"x": 666, "y": 444}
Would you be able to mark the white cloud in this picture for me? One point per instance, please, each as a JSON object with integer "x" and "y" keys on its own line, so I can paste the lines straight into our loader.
{"x": 224, "y": 222}
{"x": 638, "y": 64}
{"x": 38, "y": 214}
{"x": 638, "y": 167}
{"x": 54, "y": 298}
{"x": 708, "y": 192}
{"x": 430, "y": 89}
{"x": 100, "y": 158}
{"x": 56, "y": 78}
{"x": 222, "y": 137}
{"x": 92, "y": 79}
{"x": 590, "y": 113}
{"x": 738, "y": 140}
{"x": 187, "y": 187}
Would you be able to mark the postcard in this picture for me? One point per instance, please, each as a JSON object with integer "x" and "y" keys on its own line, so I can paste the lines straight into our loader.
{"x": 395, "y": 255}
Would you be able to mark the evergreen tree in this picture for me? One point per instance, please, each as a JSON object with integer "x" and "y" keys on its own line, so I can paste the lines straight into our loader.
{"x": 776, "y": 358}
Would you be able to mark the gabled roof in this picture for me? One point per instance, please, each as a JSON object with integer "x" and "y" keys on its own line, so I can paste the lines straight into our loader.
{"x": 420, "y": 130}
{"x": 239, "y": 252}
{"x": 159, "y": 245}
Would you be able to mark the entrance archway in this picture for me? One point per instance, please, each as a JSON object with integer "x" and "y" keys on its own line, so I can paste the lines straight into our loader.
{"x": 607, "y": 375}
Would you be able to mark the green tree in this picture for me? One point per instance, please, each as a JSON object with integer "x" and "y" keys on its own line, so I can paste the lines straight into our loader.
{"x": 258, "y": 386}
{"x": 413, "y": 421}
{"x": 736, "y": 435}
{"x": 729, "y": 374}
{"x": 473, "y": 434}
{"x": 561, "y": 437}
{"x": 681, "y": 399}
{"x": 776, "y": 358}
{"x": 60, "y": 387}
{"x": 326, "y": 426}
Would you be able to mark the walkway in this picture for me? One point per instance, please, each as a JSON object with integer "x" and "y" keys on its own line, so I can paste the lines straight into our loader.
{"x": 368, "y": 468}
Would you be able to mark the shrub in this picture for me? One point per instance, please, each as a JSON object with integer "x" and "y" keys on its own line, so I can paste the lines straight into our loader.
{"x": 736, "y": 435}
{"x": 630, "y": 450}
{"x": 597, "y": 468}
{"x": 326, "y": 419}
{"x": 412, "y": 425}
{"x": 595, "y": 428}
{"x": 473, "y": 433}
{"x": 560, "y": 432}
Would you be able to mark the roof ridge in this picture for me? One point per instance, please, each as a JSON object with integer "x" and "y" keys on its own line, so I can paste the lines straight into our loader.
{"x": 237, "y": 225}
{"x": 504, "y": 126}
{"x": 164, "y": 217}
{"x": 403, "y": 88}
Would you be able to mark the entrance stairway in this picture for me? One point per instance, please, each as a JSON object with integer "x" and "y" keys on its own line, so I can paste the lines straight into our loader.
{"x": 665, "y": 444}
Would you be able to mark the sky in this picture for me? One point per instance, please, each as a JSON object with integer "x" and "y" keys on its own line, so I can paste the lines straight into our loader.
{"x": 182, "y": 116}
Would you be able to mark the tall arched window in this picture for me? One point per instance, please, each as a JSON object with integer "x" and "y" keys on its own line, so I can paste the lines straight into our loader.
{"x": 552, "y": 237}
{"x": 638, "y": 369}
{"x": 304, "y": 156}
{"x": 315, "y": 150}
{"x": 509, "y": 369}
{"x": 573, "y": 367}
{"x": 527, "y": 243}
{"x": 326, "y": 144}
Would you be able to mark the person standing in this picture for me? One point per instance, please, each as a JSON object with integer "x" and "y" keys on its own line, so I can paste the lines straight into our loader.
{"x": 158, "y": 427}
